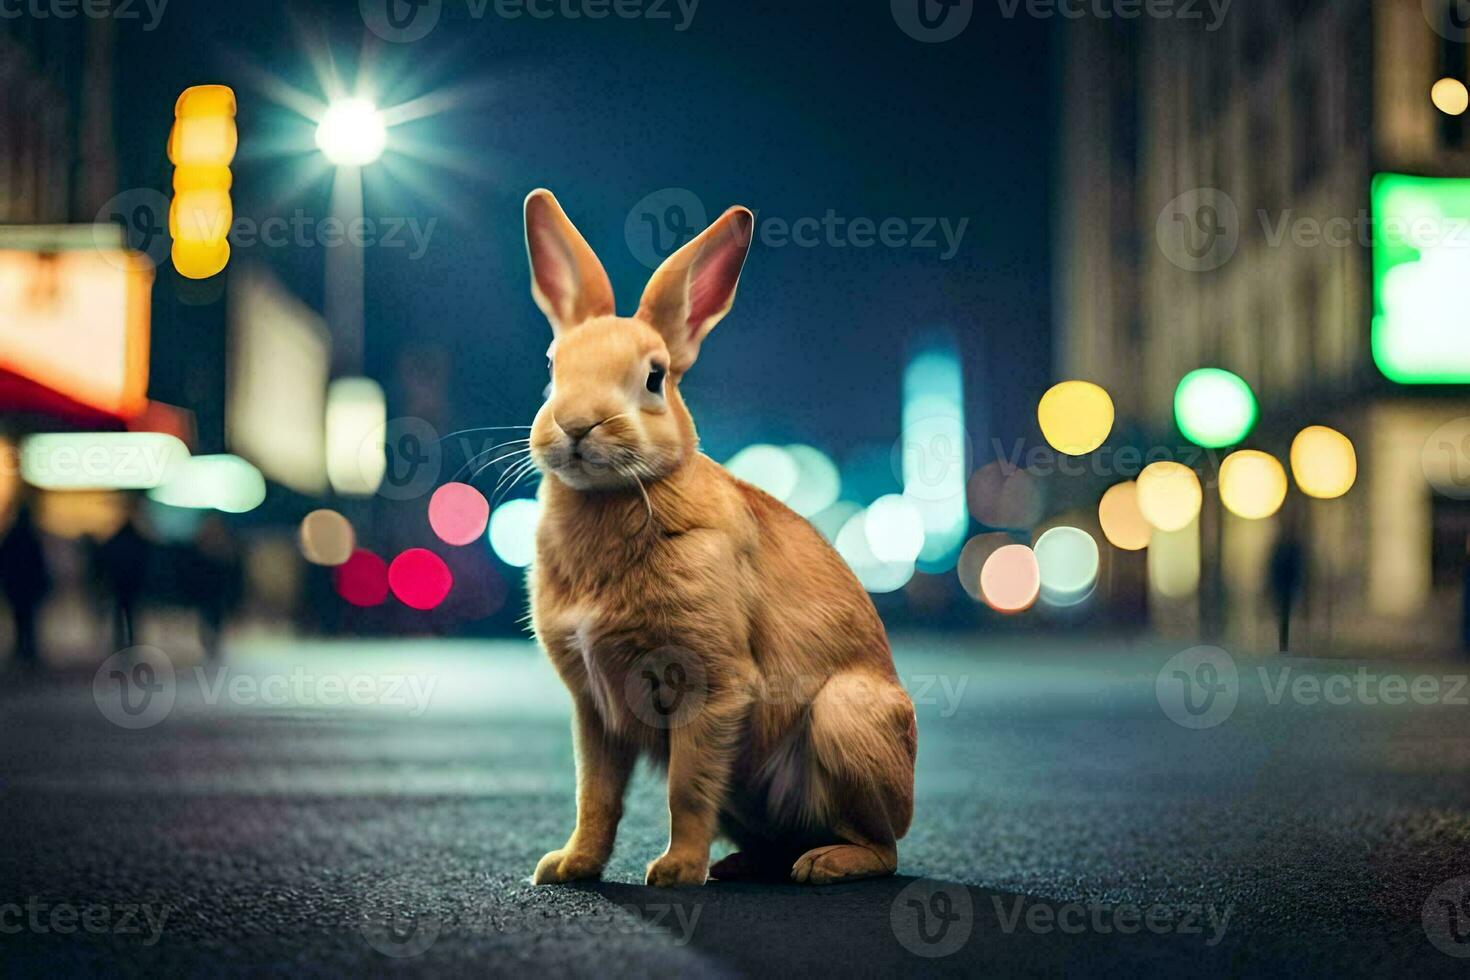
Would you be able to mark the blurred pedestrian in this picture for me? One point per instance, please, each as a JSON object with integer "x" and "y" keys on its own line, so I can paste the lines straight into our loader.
{"x": 1288, "y": 570}
{"x": 25, "y": 581}
{"x": 218, "y": 581}
{"x": 122, "y": 564}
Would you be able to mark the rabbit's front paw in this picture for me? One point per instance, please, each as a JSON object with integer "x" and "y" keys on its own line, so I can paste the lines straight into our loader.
{"x": 564, "y": 865}
{"x": 670, "y": 870}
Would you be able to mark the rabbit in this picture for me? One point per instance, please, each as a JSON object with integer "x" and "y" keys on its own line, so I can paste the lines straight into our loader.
{"x": 696, "y": 620}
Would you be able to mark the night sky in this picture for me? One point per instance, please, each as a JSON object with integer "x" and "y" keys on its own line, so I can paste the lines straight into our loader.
{"x": 794, "y": 109}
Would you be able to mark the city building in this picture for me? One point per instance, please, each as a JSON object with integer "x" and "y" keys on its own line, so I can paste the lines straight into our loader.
{"x": 1216, "y": 207}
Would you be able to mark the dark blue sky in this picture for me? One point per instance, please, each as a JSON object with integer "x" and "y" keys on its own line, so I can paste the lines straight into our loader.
{"x": 796, "y": 109}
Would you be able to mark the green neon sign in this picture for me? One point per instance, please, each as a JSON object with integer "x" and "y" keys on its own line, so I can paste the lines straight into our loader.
{"x": 1421, "y": 271}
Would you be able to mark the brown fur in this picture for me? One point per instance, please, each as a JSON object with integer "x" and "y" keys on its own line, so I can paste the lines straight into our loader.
{"x": 696, "y": 620}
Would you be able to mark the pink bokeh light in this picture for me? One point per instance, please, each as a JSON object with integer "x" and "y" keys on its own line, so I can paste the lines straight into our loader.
{"x": 458, "y": 513}
{"x": 363, "y": 579}
{"x": 420, "y": 579}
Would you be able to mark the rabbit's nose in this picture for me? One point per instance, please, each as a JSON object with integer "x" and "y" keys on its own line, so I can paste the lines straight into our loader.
{"x": 577, "y": 429}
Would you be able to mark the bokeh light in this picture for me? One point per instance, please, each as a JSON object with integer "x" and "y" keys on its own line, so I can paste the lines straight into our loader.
{"x": 513, "y": 531}
{"x": 1067, "y": 562}
{"x": 1169, "y": 495}
{"x": 1075, "y": 417}
{"x": 769, "y": 467}
{"x": 934, "y": 449}
{"x": 458, "y": 513}
{"x": 362, "y": 580}
{"x": 100, "y": 460}
{"x": 1010, "y": 580}
{"x": 974, "y": 555}
{"x": 1252, "y": 484}
{"x": 1214, "y": 408}
{"x": 76, "y": 514}
{"x": 1002, "y": 495}
{"x": 419, "y": 579}
{"x": 1450, "y": 96}
{"x": 1324, "y": 462}
{"x": 894, "y": 528}
{"x": 357, "y": 424}
{"x": 326, "y": 538}
{"x": 222, "y": 482}
{"x": 875, "y": 575}
{"x": 818, "y": 483}
{"x": 1123, "y": 524}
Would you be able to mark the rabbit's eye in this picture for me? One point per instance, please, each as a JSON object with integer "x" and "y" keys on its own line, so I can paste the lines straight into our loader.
{"x": 656, "y": 379}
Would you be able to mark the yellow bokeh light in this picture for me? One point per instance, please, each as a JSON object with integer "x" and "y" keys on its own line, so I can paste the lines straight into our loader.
{"x": 1324, "y": 462}
{"x": 205, "y": 100}
{"x": 200, "y": 260}
{"x": 1123, "y": 524}
{"x": 203, "y": 141}
{"x": 1169, "y": 495}
{"x": 1252, "y": 484}
{"x": 198, "y": 177}
{"x": 1075, "y": 417}
{"x": 201, "y": 216}
{"x": 1450, "y": 96}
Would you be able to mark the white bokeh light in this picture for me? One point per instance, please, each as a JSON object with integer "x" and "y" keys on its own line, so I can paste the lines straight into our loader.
{"x": 894, "y": 529}
{"x": 513, "y": 531}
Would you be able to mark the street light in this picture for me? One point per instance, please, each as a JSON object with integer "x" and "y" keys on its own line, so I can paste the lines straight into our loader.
{"x": 352, "y": 133}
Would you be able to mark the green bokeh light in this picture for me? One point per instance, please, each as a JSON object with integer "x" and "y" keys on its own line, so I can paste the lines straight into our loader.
{"x": 1421, "y": 261}
{"x": 1214, "y": 408}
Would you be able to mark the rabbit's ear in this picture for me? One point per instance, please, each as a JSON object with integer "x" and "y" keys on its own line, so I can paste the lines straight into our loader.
{"x": 567, "y": 280}
{"x": 695, "y": 287}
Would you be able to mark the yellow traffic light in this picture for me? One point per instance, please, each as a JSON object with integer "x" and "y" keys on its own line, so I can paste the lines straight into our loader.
{"x": 201, "y": 146}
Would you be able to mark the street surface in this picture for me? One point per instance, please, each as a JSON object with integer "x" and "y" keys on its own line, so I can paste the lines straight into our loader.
{"x": 362, "y": 807}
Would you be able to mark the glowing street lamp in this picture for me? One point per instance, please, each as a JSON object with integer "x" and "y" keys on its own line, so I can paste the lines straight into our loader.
{"x": 352, "y": 133}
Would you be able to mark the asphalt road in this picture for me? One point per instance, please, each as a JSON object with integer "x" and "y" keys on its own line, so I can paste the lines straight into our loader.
{"x": 369, "y": 808}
